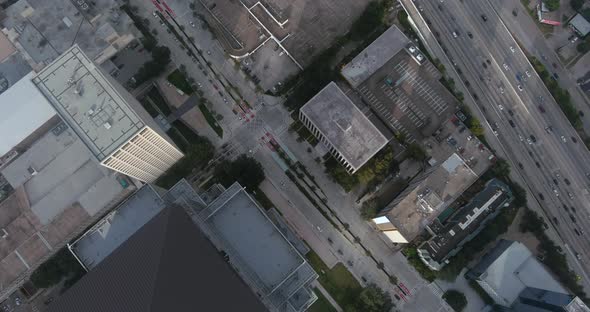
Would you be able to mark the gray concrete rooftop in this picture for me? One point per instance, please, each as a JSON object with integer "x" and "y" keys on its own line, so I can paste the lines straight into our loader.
{"x": 341, "y": 122}
{"x": 114, "y": 229}
{"x": 45, "y": 29}
{"x": 256, "y": 247}
{"x": 89, "y": 104}
{"x": 375, "y": 56}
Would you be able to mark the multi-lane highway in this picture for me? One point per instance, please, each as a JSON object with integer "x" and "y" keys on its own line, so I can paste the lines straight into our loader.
{"x": 533, "y": 131}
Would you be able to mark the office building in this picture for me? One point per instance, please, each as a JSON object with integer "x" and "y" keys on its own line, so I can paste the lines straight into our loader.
{"x": 341, "y": 126}
{"x": 111, "y": 122}
{"x": 265, "y": 253}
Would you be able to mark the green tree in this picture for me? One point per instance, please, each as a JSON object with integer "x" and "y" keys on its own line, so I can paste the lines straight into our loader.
{"x": 246, "y": 170}
{"x": 369, "y": 209}
{"x": 197, "y": 156}
{"x": 576, "y": 4}
{"x": 501, "y": 169}
{"x": 61, "y": 265}
{"x": 378, "y": 167}
{"x": 475, "y": 127}
{"x": 551, "y": 5}
{"x": 416, "y": 152}
{"x": 455, "y": 299}
{"x": 371, "y": 299}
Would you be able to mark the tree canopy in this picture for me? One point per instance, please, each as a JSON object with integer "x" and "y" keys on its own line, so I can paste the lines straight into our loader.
{"x": 371, "y": 299}
{"x": 551, "y": 5}
{"x": 370, "y": 209}
{"x": 455, "y": 299}
{"x": 246, "y": 170}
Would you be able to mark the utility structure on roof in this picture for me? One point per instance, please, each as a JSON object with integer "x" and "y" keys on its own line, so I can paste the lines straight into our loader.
{"x": 110, "y": 121}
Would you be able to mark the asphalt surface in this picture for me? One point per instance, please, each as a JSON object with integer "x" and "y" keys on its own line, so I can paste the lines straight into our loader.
{"x": 552, "y": 156}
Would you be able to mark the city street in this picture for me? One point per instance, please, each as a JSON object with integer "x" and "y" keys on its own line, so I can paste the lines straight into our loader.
{"x": 272, "y": 120}
{"x": 508, "y": 96}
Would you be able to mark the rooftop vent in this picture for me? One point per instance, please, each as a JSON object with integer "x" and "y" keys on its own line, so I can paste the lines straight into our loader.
{"x": 107, "y": 125}
{"x": 3, "y": 233}
{"x": 32, "y": 170}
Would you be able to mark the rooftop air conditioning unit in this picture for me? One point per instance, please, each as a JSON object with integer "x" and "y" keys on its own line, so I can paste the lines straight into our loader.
{"x": 32, "y": 170}
{"x": 107, "y": 125}
{"x": 3, "y": 233}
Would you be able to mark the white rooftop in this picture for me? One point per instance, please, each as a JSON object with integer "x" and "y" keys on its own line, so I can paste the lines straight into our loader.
{"x": 514, "y": 270}
{"x": 89, "y": 104}
{"x": 23, "y": 109}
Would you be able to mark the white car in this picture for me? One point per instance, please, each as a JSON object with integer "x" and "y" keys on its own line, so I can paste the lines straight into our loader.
{"x": 521, "y": 138}
{"x": 154, "y": 14}
{"x": 500, "y": 107}
{"x": 192, "y": 24}
{"x": 520, "y": 88}
{"x": 512, "y": 49}
{"x": 501, "y": 90}
{"x": 528, "y": 73}
{"x": 506, "y": 66}
{"x": 563, "y": 139}
{"x": 455, "y": 34}
{"x": 529, "y": 141}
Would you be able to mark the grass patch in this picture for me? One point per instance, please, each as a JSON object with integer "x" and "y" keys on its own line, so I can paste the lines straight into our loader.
{"x": 211, "y": 120}
{"x": 338, "y": 281}
{"x": 159, "y": 101}
{"x": 322, "y": 304}
{"x": 178, "y": 79}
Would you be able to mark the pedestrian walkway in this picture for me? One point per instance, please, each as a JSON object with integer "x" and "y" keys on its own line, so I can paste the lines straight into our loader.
{"x": 326, "y": 294}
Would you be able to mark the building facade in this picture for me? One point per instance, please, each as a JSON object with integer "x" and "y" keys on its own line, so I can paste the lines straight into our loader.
{"x": 110, "y": 121}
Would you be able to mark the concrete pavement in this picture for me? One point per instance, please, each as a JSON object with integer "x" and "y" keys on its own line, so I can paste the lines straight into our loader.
{"x": 493, "y": 93}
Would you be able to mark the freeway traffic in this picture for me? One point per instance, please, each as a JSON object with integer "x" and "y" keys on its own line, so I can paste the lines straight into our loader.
{"x": 518, "y": 107}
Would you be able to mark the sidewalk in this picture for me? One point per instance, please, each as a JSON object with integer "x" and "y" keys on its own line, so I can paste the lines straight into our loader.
{"x": 326, "y": 294}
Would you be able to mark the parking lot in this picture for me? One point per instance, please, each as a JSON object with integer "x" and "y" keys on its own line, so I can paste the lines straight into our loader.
{"x": 408, "y": 96}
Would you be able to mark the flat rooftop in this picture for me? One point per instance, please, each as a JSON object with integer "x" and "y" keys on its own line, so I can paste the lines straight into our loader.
{"x": 401, "y": 86}
{"x": 423, "y": 201}
{"x": 87, "y": 101}
{"x": 465, "y": 221}
{"x": 45, "y": 29}
{"x": 258, "y": 249}
{"x": 343, "y": 124}
{"x": 114, "y": 229}
{"x": 373, "y": 57}
{"x": 32, "y": 107}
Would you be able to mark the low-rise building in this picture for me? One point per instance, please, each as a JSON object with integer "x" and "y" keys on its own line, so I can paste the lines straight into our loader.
{"x": 458, "y": 229}
{"x": 580, "y": 25}
{"x": 513, "y": 277}
{"x": 342, "y": 127}
{"x": 43, "y": 30}
{"x": 401, "y": 86}
{"x": 59, "y": 190}
{"x": 457, "y": 160}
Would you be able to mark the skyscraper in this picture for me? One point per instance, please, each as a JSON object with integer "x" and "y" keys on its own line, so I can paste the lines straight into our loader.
{"x": 109, "y": 120}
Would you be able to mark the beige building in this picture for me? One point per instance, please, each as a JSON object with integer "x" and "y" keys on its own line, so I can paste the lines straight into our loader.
{"x": 110, "y": 121}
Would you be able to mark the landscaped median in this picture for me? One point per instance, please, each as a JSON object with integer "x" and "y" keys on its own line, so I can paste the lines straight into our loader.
{"x": 178, "y": 79}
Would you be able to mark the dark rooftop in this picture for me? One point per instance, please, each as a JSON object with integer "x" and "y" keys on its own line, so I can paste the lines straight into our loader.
{"x": 168, "y": 265}
{"x": 468, "y": 220}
